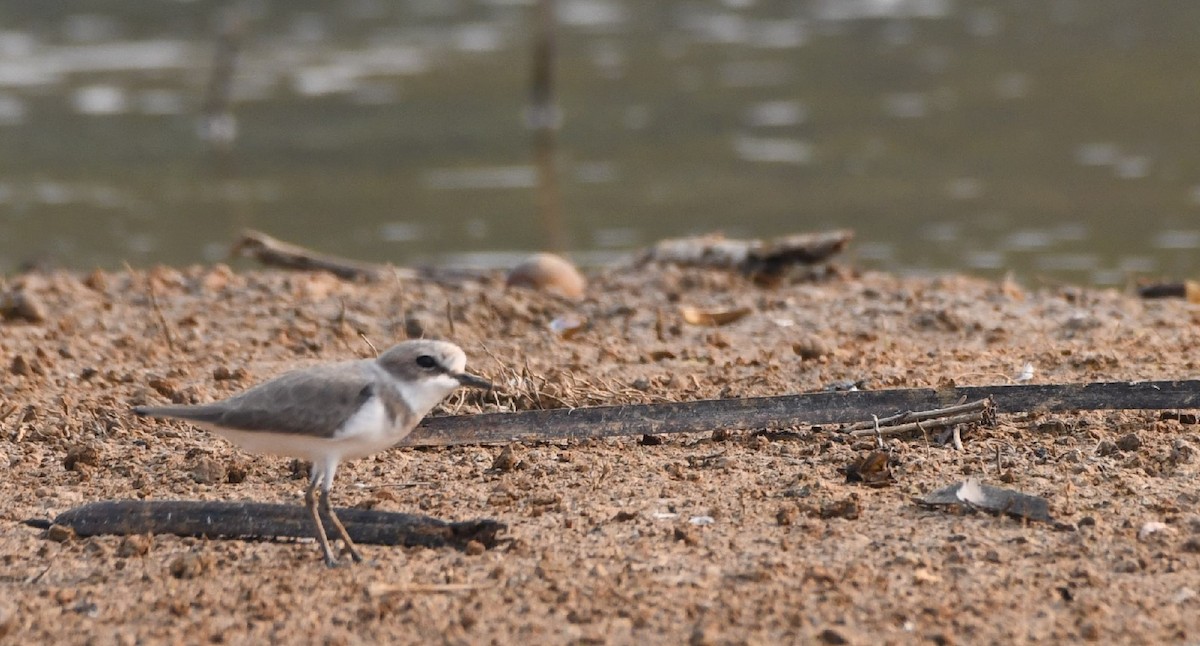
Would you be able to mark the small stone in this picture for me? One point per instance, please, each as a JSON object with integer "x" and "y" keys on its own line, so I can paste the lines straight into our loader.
{"x": 208, "y": 471}
{"x": 507, "y": 460}
{"x": 786, "y": 515}
{"x": 1182, "y": 452}
{"x": 19, "y": 366}
{"x": 134, "y": 545}
{"x": 1129, "y": 442}
{"x": 687, "y": 535}
{"x": 1127, "y": 566}
{"x": 812, "y": 347}
{"x": 549, "y": 273}
{"x": 216, "y": 278}
{"x": 1105, "y": 448}
{"x": 223, "y": 373}
{"x": 833, "y": 637}
{"x": 188, "y": 566}
{"x": 1152, "y": 530}
{"x": 81, "y": 455}
{"x": 19, "y": 305}
{"x": 419, "y": 325}
{"x": 475, "y": 548}
{"x": 847, "y": 508}
{"x": 97, "y": 281}
{"x": 59, "y": 533}
{"x": 235, "y": 472}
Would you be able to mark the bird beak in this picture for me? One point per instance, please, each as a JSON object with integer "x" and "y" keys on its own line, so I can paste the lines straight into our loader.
{"x": 470, "y": 380}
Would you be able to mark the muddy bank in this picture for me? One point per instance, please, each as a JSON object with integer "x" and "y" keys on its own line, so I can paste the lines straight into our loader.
{"x": 738, "y": 538}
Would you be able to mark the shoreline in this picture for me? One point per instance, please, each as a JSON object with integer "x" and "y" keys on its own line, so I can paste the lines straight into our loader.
{"x": 605, "y": 543}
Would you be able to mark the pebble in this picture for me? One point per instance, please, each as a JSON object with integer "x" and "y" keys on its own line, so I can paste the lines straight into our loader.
{"x": 59, "y": 533}
{"x": 1129, "y": 442}
{"x": 188, "y": 566}
{"x": 79, "y": 455}
{"x": 507, "y": 460}
{"x": 549, "y": 273}
{"x": 206, "y": 470}
{"x": 134, "y": 545}
{"x": 812, "y": 347}
{"x": 19, "y": 305}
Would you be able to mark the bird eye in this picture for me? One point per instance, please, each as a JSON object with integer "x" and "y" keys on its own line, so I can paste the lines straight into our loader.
{"x": 426, "y": 361}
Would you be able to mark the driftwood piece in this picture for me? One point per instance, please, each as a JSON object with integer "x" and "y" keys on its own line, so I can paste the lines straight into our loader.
{"x": 749, "y": 256}
{"x": 277, "y": 253}
{"x": 1188, "y": 289}
{"x": 212, "y": 519}
{"x": 792, "y": 410}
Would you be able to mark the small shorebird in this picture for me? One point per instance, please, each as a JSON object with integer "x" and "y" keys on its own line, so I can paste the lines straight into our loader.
{"x": 334, "y": 412}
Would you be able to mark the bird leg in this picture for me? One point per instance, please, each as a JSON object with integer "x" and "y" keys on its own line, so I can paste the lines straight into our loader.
{"x": 337, "y": 524}
{"x": 311, "y": 500}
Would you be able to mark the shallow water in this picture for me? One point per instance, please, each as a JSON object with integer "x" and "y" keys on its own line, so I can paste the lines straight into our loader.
{"x": 1057, "y": 140}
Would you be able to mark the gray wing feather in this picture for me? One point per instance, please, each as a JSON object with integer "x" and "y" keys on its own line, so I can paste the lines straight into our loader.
{"x": 304, "y": 402}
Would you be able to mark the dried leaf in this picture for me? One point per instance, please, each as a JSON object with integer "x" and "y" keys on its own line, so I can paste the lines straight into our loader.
{"x": 696, "y": 316}
{"x": 872, "y": 469}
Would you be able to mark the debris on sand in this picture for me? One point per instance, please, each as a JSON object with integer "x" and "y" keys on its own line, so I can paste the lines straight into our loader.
{"x": 1188, "y": 290}
{"x": 548, "y": 273}
{"x": 973, "y": 495}
{"x": 568, "y": 326}
{"x": 764, "y": 260}
{"x": 711, "y": 318}
{"x": 21, "y": 305}
{"x": 214, "y": 519}
{"x": 872, "y": 469}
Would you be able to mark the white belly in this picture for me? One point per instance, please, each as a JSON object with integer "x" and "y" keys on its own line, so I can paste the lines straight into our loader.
{"x": 368, "y": 431}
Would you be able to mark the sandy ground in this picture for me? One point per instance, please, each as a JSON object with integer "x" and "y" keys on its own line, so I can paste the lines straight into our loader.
{"x": 609, "y": 541}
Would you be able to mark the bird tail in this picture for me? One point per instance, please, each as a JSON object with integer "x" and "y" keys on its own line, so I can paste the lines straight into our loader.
{"x": 193, "y": 413}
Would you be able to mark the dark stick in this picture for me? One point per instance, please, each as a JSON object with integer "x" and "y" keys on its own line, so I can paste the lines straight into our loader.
{"x": 260, "y": 520}
{"x": 277, "y": 253}
{"x": 792, "y": 410}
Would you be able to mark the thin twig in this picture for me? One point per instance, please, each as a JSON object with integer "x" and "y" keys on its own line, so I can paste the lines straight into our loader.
{"x": 368, "y": 342}
{"x": 900, "y": 429}
{"x": 162, "y": 319}
{"x": 393, "y": 485}
{"x": 276, "y": 253}
{"x": 38, "y": 577}
{"x": 916, "y": 416}
{"x": 7, "y": 412}
{"x": 384, "y": 589}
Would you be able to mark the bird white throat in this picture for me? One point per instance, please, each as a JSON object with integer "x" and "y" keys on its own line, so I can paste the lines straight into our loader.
{"x": 333, "y": 412}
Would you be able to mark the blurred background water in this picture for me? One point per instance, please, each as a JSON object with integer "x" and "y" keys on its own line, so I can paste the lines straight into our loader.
{"x": 1057, "y": 139}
